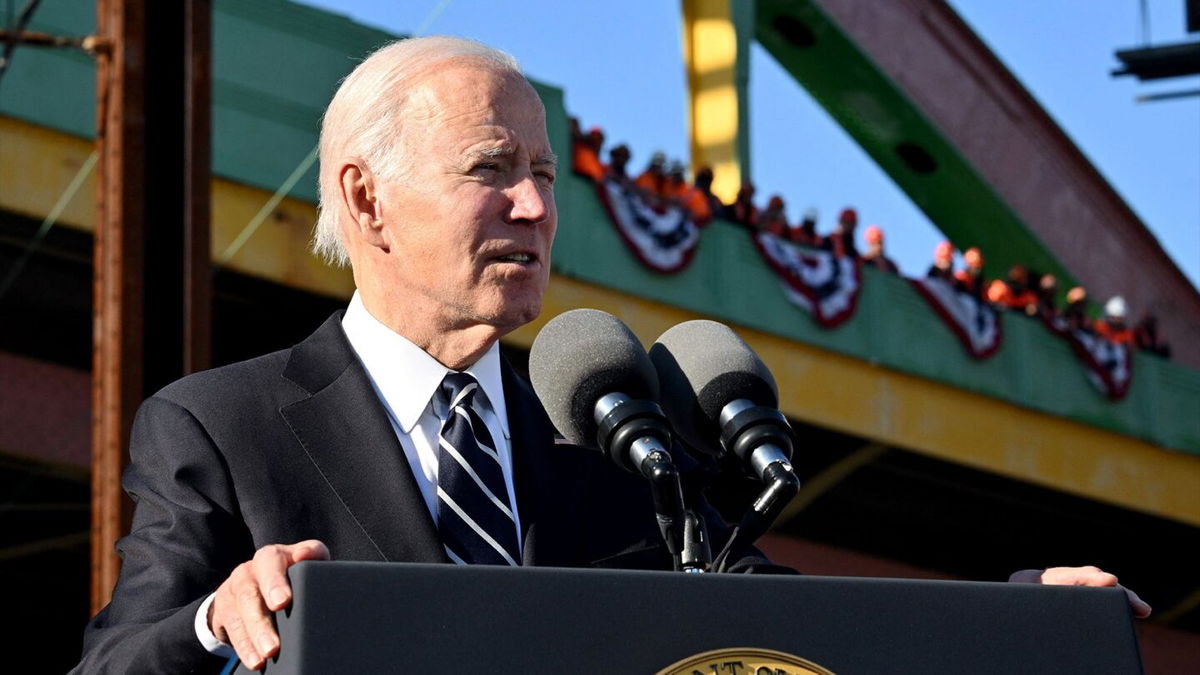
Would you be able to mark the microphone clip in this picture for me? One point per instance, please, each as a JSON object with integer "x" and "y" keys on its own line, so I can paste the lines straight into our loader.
{"x": 630, "y": 430}
{"x": 757, "y": 435}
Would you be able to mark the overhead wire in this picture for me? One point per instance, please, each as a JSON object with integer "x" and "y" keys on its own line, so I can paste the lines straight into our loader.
{"x": 268, "y": 208}
{"x": 51, "y": 218}
{"x": 431, "y": 17}
{"x": 16, "y": 28}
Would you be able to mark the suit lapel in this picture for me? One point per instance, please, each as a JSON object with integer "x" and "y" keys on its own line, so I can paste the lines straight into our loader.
{"x": 345, "y": 432}
{"x": 549, "y": 480}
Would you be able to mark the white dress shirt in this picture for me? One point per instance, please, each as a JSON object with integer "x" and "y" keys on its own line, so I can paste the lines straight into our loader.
{"x": 405, "y": 379}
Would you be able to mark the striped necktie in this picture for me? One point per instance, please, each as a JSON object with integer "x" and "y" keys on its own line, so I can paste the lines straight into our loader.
{"x": 475, "y": 520}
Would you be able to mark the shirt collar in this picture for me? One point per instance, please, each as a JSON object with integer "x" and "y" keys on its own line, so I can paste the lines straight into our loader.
{"x": 407, "y": 377}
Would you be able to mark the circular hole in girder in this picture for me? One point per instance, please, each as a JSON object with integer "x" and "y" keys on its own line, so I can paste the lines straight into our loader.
{"x": 794, "y": 31}
{"x": 916, "y": 158}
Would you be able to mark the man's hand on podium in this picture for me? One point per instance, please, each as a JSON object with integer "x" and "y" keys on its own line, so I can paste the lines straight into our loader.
{"x": 1081, "y": 576}
{"x": 241, "y": 612}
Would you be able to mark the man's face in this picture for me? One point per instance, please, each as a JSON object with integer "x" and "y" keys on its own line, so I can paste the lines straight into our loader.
{"x": 471, "y": 220}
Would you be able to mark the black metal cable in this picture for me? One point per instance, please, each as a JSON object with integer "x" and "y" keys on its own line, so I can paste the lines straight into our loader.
{"x": 16, "y": 28}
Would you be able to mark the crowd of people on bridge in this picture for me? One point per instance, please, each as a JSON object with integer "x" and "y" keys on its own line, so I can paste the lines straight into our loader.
{"x": 663, "y": 184}
{"x": 1034, "y": 294}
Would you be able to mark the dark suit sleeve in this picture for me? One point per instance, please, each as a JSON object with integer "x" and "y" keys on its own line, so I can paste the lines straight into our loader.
{"x": 186, "y": 537}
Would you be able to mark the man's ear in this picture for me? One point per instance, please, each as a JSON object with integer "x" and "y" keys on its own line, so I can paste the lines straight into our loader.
{"x": 361, "y": 199}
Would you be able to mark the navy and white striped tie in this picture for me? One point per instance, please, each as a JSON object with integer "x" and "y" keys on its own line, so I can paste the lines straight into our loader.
{"x": 475, "y": 520}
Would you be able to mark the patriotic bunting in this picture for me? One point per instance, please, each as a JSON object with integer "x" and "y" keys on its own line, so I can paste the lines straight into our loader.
{"x": 817, "y": 280}
{"x": 827, "y": 286}
{"x": 1109, "y": 365}
{"x": 664, "y": 240}
{"x": 973, "y": 321}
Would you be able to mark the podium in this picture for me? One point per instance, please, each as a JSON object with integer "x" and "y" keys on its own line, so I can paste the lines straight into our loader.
{"x": 353, "y": 617}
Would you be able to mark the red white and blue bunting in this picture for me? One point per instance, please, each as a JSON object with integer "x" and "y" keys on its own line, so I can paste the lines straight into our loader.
{"x": 664, "y": 240}
{"x": 816, "y": 280}
{"x": 975, "y": 323}
{"x": 1109, "y": 365}
{"x": 827, "y": 286}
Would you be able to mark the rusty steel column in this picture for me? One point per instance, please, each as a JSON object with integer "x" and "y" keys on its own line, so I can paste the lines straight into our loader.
{"x": 117, "y": 296}
{"x": 197, "y": 165}
{"x": 152, "y": 293}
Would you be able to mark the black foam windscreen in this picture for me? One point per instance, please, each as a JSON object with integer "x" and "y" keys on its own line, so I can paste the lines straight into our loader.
{"x": 579, "y": 357}
{"x": 702, "y": 366}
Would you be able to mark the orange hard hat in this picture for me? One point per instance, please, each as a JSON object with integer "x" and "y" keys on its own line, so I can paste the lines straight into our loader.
{"x": 874, "y": 235}
{"x": 944, "y": 252}
{"x": 973, "y": 257}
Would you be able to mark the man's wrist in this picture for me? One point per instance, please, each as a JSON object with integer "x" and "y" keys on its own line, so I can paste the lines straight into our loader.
{"x": 205, "y": 635}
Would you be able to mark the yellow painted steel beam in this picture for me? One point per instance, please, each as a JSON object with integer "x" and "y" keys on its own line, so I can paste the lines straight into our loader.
{"x": 710, "y": 59}
{"x": 37, "y": 164}
{"x": 279, "y": 248}
{"x": 816, "y": 386}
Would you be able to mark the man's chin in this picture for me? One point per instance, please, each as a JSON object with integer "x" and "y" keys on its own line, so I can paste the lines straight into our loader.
{"x": 511, "y": 316}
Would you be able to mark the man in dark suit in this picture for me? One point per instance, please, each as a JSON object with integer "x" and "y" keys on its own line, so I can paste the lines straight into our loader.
{"x": 437, "y": 188}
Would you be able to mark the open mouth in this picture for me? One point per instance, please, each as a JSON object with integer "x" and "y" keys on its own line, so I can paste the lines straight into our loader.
{"x": 519, "y": 258}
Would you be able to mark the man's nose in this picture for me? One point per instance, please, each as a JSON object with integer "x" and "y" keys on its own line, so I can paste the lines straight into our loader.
{"x": 530, "y": 202}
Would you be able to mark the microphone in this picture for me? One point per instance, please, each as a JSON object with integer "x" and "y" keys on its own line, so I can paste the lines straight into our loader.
{"x": 599, "y": 388}
{"x": 715, "y": 387}
{"x": 595, "y": 380}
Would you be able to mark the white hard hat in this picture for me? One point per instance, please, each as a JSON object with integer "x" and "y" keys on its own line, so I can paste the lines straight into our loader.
{"x": 1115, "y": 307}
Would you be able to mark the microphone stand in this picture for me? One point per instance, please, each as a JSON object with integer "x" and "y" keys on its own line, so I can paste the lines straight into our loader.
{"x": 696, "y": 556}
{"x": 774, "y": 498}
{"x": 762, "y": 438}
{"x": 635, "y": 434}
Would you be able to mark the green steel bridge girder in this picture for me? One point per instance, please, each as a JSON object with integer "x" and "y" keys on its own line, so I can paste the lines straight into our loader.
{"x": 899, "y": 137}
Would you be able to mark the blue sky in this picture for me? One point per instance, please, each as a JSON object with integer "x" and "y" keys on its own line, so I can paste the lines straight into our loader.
{"x": 620, "y": 64}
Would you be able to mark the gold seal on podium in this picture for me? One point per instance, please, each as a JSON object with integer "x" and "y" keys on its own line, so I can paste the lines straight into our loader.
{"x": 744, "y": 661}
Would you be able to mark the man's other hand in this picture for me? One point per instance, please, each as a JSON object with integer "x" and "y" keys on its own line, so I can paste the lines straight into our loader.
{"x": 1082, "y": 576}
{"x": 241, "y": 611}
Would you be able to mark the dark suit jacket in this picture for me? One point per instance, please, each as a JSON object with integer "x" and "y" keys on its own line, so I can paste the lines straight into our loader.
{"x": 296, "y": 445}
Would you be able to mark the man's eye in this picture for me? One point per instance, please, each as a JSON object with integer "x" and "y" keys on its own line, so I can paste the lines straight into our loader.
{"x": 546, "y": 177}
{"x": 487, "y": 166}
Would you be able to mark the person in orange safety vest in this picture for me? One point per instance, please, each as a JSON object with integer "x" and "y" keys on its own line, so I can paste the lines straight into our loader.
{"x": 1014, "y": 293}
{"x": 652, "y": 183}
{"x": 1113, "y": 326}
{"x": 586, "y": 155}
{"x": 699, "y": 198}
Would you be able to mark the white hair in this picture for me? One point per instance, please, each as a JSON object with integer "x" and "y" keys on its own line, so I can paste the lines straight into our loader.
{"x": 365, "y": 118}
